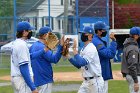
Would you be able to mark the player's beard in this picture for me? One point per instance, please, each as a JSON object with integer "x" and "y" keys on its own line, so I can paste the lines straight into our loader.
{"x": 103, "y": 34}
{"x": 84, "y": 37}
{"x": 29, "y": 35}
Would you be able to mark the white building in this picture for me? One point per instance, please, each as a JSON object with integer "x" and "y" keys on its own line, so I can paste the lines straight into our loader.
{"x": 38, "y": 14}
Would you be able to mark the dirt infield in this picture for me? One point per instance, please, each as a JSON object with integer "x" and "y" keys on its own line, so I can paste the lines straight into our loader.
{"x": 72, "y": 76}
{"x": 76, "y": 76}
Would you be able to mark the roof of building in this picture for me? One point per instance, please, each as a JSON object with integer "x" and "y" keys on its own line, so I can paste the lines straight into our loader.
{"x": 28, "y": 5}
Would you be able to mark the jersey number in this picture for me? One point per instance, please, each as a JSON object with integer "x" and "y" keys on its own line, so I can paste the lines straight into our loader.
{"x": 86, "y": 68}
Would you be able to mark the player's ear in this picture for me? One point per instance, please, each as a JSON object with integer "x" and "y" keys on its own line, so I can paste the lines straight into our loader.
{"x": 90, "y": 37}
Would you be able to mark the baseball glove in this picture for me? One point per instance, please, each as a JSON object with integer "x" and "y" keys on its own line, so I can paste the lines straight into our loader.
{"x": 51, "y": 41}
{"x": 66, "y": 46}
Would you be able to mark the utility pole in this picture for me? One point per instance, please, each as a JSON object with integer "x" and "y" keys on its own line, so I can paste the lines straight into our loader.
{"x": 77, "y": 16}
{"x": 113, "y": 14}
{"x": 66, "y": 3}
{"x": 49, "y": 12}
{"x": 15, "y": 19}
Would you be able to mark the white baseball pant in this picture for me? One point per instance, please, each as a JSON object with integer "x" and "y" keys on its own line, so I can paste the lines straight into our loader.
{"x": 106, "y": 86}
{"x": 47, "y": 88}
{"x": 131, "y": 83}
{"x": 19, "y": 85}
{"x": 94, "y": 85}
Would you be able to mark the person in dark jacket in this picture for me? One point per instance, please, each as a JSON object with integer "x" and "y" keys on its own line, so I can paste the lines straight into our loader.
{"x": 131, "y": 60}
{"x": 105, "y": 53}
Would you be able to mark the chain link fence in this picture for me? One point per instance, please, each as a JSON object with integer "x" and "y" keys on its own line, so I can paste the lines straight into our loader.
{"x": 63, "y": 16}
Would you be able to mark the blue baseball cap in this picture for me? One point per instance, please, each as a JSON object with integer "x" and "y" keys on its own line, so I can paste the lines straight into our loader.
{"x": 135, "y": 31}
{"x": 100, "y": 25}
{"x": 87, "y": 29}
{"x": 45, "y": 30}
{"x": 24, "y": 25}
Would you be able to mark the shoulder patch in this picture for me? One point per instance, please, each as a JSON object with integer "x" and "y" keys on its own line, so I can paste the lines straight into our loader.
{"x": 99, "y": 46}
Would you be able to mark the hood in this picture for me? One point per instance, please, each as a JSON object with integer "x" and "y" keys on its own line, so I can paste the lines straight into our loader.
{"x": 129, "y": 41}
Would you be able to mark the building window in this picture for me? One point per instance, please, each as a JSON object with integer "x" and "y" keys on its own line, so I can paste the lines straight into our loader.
{"x": 62, "y": 2}
{"x": 62, "y": 24}
{"x": 42, "y": 21}
{"x": 52, "y": 25}
{"x": 70, "y": 2}
{"x": 59, "y": 24}
{"x": 46, "y": 21}
{"x": 35, "y": 23}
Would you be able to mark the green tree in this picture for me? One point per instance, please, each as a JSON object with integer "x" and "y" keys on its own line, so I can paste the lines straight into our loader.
{"x": 127, "y": 1}
{"x": 6, "y": 18}
{"x": 6, "y": 13}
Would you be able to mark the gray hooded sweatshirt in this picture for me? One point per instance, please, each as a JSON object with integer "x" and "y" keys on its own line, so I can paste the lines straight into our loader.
{"x": 130, "y": 59}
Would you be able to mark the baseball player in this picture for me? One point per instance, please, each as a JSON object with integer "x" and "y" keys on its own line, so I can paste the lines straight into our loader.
{"x": 88, "y": 61}
{"x": 105, "y": 53}
{"x": 131, "y": 61}
{"x": 21, "y": 72}
{"x": 42, "y": 65}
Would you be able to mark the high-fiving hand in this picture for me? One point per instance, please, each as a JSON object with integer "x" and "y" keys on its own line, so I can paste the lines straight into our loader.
{"x": 112, "y": 36}
{"x": 74, "y": 47}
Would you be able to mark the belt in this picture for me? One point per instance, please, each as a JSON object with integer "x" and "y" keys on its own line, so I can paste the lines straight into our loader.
{"x": 88, "y": 78}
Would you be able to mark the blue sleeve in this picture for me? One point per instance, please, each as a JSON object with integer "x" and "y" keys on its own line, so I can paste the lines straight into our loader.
{"x": 107, "y": 52}
{"x": 53, "y": 58}
{"x": 37, "y": 53}
{"x": 78, "y": 61}
{"x": 25, "y": 73}
{"x": 73, "y": 62}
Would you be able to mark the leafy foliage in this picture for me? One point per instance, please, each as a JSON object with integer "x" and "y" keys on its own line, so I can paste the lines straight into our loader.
{"x": 127, "y": 1}
{"x": 6, "y": 8}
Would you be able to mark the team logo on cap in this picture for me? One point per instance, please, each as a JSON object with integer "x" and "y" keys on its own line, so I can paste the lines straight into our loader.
{"x": 89, "y": 30}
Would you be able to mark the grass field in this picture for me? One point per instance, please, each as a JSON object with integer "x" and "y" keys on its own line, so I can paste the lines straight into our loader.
{"x": 6, "y": 89}
{"x": 114, "y": 87}
{"x": 4, "y": 72}
{"x": 62, "y": 68}
{"x": 4, "y": 61}
{"x": 65, "y": 66}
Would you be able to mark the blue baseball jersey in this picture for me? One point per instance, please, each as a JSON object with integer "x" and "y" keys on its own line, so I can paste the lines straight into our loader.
{"x": 41, "y": 65}
{"x": 105, "y": 54}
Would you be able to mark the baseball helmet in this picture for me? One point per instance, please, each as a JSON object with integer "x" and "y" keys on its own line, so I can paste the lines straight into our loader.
{"x": 24, "y": 25}
{"x": 45, "y": 30}
{"x": 100, "y": 25}
{"x": 135, "y": 31}
{"x": 87, "y": 29}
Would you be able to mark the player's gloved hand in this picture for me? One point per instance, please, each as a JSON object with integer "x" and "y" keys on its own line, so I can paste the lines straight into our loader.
{"x": 66, "y": 46}
{"x": 35, "y": 91}
{"x": 136, "y": 87}
{"x": 74, "y": 47}
{"x": 51, "y": 41}
{"x": 112, "y": 36}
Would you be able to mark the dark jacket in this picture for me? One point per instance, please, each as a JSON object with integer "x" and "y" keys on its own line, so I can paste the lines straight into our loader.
{"x": 105, "y": 54}
{"x": 130, "y": 59}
